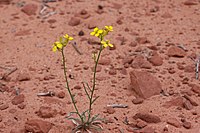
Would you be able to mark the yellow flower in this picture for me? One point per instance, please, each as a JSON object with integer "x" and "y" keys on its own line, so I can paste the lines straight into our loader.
{"x": 109, "y": 28}
{"x": 106, "y": 43}
{"x": 97, "y": 32}
{"x": 57, "y": 46}
{"x": 68, "y": 38}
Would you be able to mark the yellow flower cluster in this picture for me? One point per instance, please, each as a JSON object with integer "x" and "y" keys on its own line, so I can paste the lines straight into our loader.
{"x": 101, "y": 33}
{"x": 59, "y": 45}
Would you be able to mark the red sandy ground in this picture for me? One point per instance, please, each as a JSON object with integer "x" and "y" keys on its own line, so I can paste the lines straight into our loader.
{"x": 141, "y": 27}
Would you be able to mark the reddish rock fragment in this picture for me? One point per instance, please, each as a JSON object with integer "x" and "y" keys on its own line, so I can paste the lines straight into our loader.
{"x": 138, "y": 100}
{"x": 74, "y": 21}
{"x": 149, "y": 118}
{"x": 178, "y": 101}
{"x": 18, "y": 99}
{"x": 142, "y": 40}
{"x": 174, "y": 122}
{"x": 105, "y": 61}
{"x": 37, "y": 126}
{"x": 190, "y": 2}
{"x": 190, "y": 100}
{"x": 4, "y": 106}
{"x": 155, "y": 59}
{"x": 187, "y": 125}
{"x": 109, "y": 110}
{"x": 46, "y": 112}
{"x": 30, "y": 9}
{"x": 140, "y": 62}
{"x": 196, "y": 89}
{"x": 5, "y": 2}
{"x": 176, "y": 52}
{"x": 144, "y": 84}
{"x": 23, "y": 76}
{"x": 187, "y": 105}
{"x": 61, "y": 94}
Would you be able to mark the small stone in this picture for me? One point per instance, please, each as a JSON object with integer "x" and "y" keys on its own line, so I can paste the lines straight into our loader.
{"x": 140, "y": 62}
{"x": 196, "y": 89}
{"x": 74, "y": 21}
{"x": 133, "y": 44}
{"x": 142, "y": 40}
{"x": 176, "y": 52}
{"x": 174, "y": 122}
{"x": 5, "y": 2}
{"x": 155, "y": 59}
{"x": 105, "y": 61}
{"x": 83, "y": 14}
{"x": 38, "y": 126}
{"x": 92, "y": 24}
{"x": 46, "y": 112}
{"x": 166, "y": 15}
{"x": 138, "y": 100}
{"x": 23, "y": 77}
{"x": 192, "y": 101}
{"x": 109, "y": 110}
{"x": 187, "y": 105}
{"x": 30, "y": 9}
{"x": 4, "y": 106}
{"x": 178, "y": 101}
{"x": 141, "y": 123}
{"x": 190, "y": 2}
{"x": 149, "y": 118}
{"x": 77, "y": 87}
{"x": 189, "y": 68}
{"x": 127, "y": 60}
{"x": 187, "y": 125}
{"x": 144, "y": 84}
{"x": 17, "y": 130}
{"x": 18, "y": 99}
{"x": 112, "y": 72}
{"x": 147, "y": 129}
{"x": 81, "y": 33}
{"x": 51, "y": 21}
{"x": 21, "y": 106}
{"x": 61, "y": 94}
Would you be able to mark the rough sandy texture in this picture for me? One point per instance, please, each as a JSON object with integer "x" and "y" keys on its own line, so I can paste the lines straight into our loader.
{"x": 158, "y": 37}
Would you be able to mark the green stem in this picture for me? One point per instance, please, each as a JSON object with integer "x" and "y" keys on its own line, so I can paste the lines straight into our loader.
{"x": 67, "y": 85}
{"x": 94, "y": 84}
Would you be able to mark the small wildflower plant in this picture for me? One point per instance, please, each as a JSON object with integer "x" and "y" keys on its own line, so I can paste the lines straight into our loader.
{"x": 85, "y": 121}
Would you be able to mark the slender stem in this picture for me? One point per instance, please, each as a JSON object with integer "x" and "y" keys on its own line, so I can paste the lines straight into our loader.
{"x": 94, "y": 82}
{"x": 67, "y": 85}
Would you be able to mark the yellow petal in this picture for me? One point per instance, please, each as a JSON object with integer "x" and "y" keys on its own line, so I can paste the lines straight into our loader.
{"x": 66, "y": 36}
{"x": 100, "y": 31}
{"x": 59, "y": 45}
{"x": 96, "y": 29}
{"x": 71, "y": 38}
{"x": 110, "y": 45}
{"x": 92, "y": 33}
{"x": 54, "y": 49}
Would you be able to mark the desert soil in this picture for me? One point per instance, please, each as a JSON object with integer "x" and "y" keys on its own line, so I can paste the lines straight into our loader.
{"x": 152, "y": 68}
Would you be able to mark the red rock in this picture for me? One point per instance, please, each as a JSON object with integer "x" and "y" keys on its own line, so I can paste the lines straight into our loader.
{"x": 190, "y": 2}
{"x": 5, "y": 2}
{"x": 37, "y": 126}
{"x": 155, "y": 59}
{"x": 142, "y": 40}
{"x": 138, "y": 100}
{"x": 189, "y": 68}
{"x": 74, "y": 21}
{"x": 61, "y": 94}
{"x": 187, "y": 105}
{"x": 141, "y": 123}
{"x": 51, "y": 21}
{"x": 18, "y": 99}
{"x": 176, "y": 52}
{"x": 46, "y": 112}
{"x": 4, "y": 106}
{"x": 23, "y": 32}
{"x": 112, "y": 71}
{"x": 196, "y": 89}
{"x": 187, "y": 125}
{"x": 30, "y": 9}
{"x": 105, "y": 61}
{"x": 127, "y": 60}
{"x": 149, "y": 118}
{"x": 23, "y": 76}
{"x": 166, "y": 15}
{"x": 133, "y": 44}
{"x": 77, "y": 87}
{"x": 192, "y": 101}
{"x": 140, "y": 62}
{"x": 178, "y": 101}
{"x": 109, "y": 110}
{"x": 144, "y": 84}
{"x": 174, "y": 122}
{"x": 21, "y": 106}
{"x": 83, "y": 14}
{"x": 147, "y": 129}
{"x": 17, "y": 130}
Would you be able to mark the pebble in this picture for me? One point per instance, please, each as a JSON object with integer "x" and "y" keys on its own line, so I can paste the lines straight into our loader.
{"x": 190, "y": 2}
{"x": 4, "y": 106}
{"x": 155, "y": 59}
{"x": 30, "y": 9}
{"x": 46, "y": 112}
{"x": 74, "y": 21}
{"x": 77, "y": 87}
{"x": 174, "y": 122}
{"x": 109, "y": 110}
{"x": 81, "y": 33}
{"x": 138, "y": 100}
{"x": 149, "y": 118}
{"x": 174, "y": 51}
{"x": 61, "y": 94}
{"x": 18, "y": 99}
{"x": 187, "y": 125}
{"x": 23, "y": 76}
{"x": 142, "y": 40}
{"x": 187, "y": 105}
{"x": 105, "y": 61}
